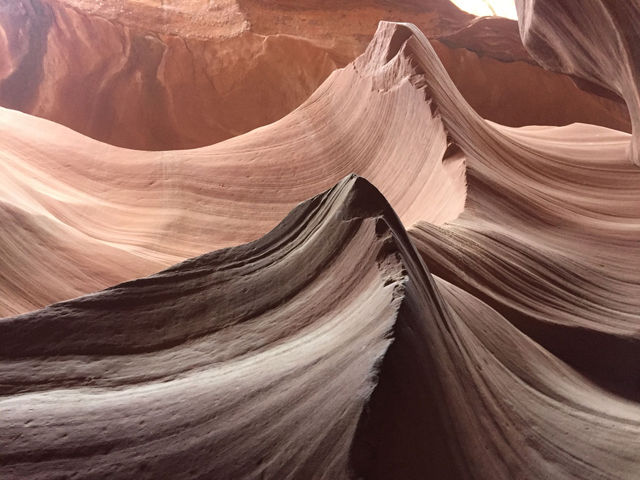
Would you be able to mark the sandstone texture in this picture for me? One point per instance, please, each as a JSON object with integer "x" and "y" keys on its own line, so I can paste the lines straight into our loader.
{"x": 173, "y": 74}
{"x": 384, "y": 283}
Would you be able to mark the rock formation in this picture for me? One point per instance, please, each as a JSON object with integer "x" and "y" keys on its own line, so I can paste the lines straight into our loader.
{"x": 170, "y": 74}
{"x": 465, "y": 307}
{"x": 575, "y": 38}
{"x": 116, "y": 214}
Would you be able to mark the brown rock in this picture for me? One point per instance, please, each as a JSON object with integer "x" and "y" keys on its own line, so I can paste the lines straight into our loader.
{"x": 187, "y": 74}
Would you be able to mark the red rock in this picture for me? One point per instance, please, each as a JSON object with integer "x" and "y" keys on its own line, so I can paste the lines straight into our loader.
{"x": 190, "y": 74}
{"x": 474, "y": 316}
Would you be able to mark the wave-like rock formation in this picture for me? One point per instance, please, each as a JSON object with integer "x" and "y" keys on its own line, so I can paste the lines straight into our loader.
{"x": 575, "y": 38}
{"x": 323, "y": 350}
{"x": 115, "y": 214}
{"x": 165, "y": 376}
{"x": 173, "y": 74}
{"x": 496, "y": 338}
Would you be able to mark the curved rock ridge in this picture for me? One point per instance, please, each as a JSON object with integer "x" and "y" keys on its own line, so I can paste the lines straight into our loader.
{"x": 550, "y": 232}
{"x": 248, "y": 362}
{"x": 575, "y": 37}
{"x": 323, "y": 350}
{"x": 173, "y": 74}
{"x": 326, "y": 348}
{"x": 114, "y": 214}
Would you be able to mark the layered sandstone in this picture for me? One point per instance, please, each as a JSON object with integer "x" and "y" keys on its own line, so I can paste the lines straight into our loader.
{"x": 181, "y": 74}
{"x": 467, "y": 311}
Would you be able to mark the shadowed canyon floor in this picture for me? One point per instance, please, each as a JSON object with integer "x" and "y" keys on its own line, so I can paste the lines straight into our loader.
{"x": 382, "y": 284}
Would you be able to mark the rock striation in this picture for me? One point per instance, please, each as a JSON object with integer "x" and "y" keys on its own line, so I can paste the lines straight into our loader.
{"x": 175, "y": 74}
{"x": 566, "y": 37}
{"x": 474, "y": 315}
{"x": 116, "y": 214}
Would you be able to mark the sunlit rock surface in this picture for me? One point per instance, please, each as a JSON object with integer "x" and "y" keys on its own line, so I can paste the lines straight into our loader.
{"x": 382, "y": 284}
{"x": 157, "y": 75}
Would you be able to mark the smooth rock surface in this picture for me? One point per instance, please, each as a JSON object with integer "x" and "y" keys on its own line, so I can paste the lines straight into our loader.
{"x": 180, "y": 74}
{"x": 467, "y": 310}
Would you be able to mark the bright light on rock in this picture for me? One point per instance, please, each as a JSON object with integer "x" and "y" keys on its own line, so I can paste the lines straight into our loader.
{"x": 502, "y": 8}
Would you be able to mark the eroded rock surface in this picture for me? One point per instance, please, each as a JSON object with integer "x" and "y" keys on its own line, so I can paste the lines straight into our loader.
{"x": 181, "y": 74}
{"x": 474, "y": 315}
